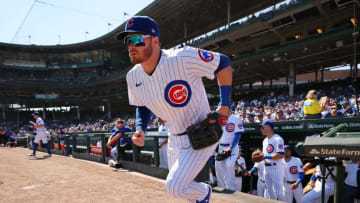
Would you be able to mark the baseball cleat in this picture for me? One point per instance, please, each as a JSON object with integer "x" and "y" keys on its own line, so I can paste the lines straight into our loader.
{"x": 47, "y": 155}
{"x": 31, "y": 154}
{"x": 207, "y": 198}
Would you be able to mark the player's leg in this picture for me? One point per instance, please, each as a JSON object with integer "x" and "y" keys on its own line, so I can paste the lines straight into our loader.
{"x": 269, "y": 182}
{"x": 44, "y": 139}
{"x": 312, "y": 196}
{"x": 238, "y": 184}
{"x": 278, "y": 183}
{"x": 298, "y": 194}
{"x": 180, "y": 180}
{"x": 35, "y": 144}
{"x": 230, "y": 169}
{"x": 219, "y": 174}
{"x": 288, "y": 193}
{"x": 260, "y": 188}
{"x": 163, "y": 156}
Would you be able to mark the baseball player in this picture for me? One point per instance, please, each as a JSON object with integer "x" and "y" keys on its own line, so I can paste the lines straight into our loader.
{"x": 240, "y": 165}
{"x": 229, "y": 142}
{"x": 163, "y": 145}
{"x": 41, "y": 135}
{"x": 314, "y": 195}
{"x": 273, "y": 149}
{"x": 118, "y": 131}
{"x": 168, "y": 83}
{"x": 294, "y": 175}
{"x": 259, "y": 167}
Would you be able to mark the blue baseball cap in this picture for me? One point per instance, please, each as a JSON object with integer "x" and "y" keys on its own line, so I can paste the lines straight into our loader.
{"x": 268, "y": 123}
{"x": 36, "y": 113}
{"x": 279, "y": 111}
{"x": 240, "y": 148}
{"x": 140, "y": 24}
{"x": 287, "y": 147}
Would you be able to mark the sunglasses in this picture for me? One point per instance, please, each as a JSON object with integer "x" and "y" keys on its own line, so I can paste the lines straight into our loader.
{"x": 137, "y": 40}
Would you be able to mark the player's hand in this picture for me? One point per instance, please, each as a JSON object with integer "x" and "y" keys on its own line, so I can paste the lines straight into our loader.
{"x": 312, "y": 183}
{"x": 228, "y": 149}
{"x": 294, "y": 185}
{"x": 307, "y": 166}
{"x": 31, "y": 122}
{"x": 247, "y": 173}
{"x": 224, "y": 110}
{"x": 138, "y": 138}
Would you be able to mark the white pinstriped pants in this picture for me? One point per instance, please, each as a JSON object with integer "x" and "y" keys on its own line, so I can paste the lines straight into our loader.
{"x": 184, "y": 165}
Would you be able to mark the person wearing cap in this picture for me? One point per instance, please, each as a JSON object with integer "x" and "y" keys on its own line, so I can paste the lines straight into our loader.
{"x": 268, "y": 116}
{"x": 334, "y": 113}
{"x": 347, "y": 109}
{"x": 41, "y": 134}
{"x": 294, "y": 175}
{"x": 259, "y": 117}
{"x": 294, "y": 114}
{"x": 312, "y": 108}
{"x": 229, "y": 141}
{"x": 251, "y": 118}
{"x": 258, "y": 169}
{"x": 280, "y": 116}
{"x": 273, "y": 149}
{"x": 240, "y": 165}
{"x": 168, "y": 83}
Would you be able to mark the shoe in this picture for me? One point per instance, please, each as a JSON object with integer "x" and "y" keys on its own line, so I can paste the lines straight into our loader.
{"x": 207, "y": 198}
{"x": 31, "y": 154}
{"x": 47, "y": 155}
{"x": 111, "y": 163}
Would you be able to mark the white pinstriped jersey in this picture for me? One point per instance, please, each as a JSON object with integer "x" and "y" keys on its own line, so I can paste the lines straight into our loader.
{"x": 40, "y": 121}
{"x": 233, "y": 126}
{"x": 260, "y": 169}
{"x": 273, "y": 145}
{"x": 292, "y": 168}
{"x": 175, "y": 91}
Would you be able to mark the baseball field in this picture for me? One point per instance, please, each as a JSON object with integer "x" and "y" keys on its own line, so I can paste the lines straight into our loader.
{"x": 64, "y": 179}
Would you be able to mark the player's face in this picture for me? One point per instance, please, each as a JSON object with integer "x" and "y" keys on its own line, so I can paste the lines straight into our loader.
{"x": 265, "y": 130}
{"x": 140, "y": 49}
{"x": 287, "y": 152}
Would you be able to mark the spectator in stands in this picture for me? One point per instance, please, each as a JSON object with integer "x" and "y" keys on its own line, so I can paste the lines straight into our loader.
{"x": 334, "y": 113}
{"x": 259, "y": 117}
{"x": 312, "y": 107}
{"x": 268, "y": 116}
{"x": 280, "y": 116}
{"x": 294, "y": 114}
{"x": 348, "y": 110}
{"x": 12, "y": 140}
{"x": 251, "y": 118}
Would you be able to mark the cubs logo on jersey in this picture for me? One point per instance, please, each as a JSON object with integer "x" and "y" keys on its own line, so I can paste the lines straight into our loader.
{"x": 293, "y": 169}
{"x": 230, "y": 127}
{"x": 270, "y": 148}
{"x": 206, "y": 56}
{"x": 178, "y": 93}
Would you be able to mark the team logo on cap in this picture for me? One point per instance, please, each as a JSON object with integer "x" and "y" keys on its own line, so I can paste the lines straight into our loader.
{"x": 293, "y": 169}
{"x": 130, "y": 23}
{"x": 270, "y": 148}
{"x": 206, "y": 55}
{"x": 178, "y": 93}
{"x": 230, "y": 127}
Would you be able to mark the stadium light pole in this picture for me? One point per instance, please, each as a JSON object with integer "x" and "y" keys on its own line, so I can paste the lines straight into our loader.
{"x": 355, "y": 33}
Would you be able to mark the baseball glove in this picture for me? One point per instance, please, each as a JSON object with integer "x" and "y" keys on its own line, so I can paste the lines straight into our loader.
{"x": 207, "y": 132}
{"x": 223, "y": 155}
{"x": 257, "y": 156}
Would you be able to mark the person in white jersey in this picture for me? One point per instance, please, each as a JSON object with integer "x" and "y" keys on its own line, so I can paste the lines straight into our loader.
{"x": 163, "y": 145}
{"x": 261, "y": 189}
{"x": 294, "y": 175}
{"x": 240, "y": 165}
{"x": 273, "y": 149}
{"x": 229, "y": 143}
{"x": 168, "y": 83}
{"x": 41, "y": 134}
{"x": 314, "y": 196}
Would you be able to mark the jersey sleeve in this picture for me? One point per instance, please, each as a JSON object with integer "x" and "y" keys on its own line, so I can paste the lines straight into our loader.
{"x": 39, "y": 122}
{"x": 200, "y": 62}
{"x": 279, "y": 145}
{"x": 131, "y": 84}
{"x": 239, "y": 126}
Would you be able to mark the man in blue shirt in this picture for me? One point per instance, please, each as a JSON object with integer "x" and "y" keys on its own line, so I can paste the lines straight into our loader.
{"x": 118, "y": 132}
{"x": 334, "y": 113}
{"x": 348, "y": 110}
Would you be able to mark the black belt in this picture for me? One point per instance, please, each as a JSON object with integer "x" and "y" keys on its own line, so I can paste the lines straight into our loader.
{"x": 270, "y": 164}
{"x": 290, "y": 182}
{"x": 224, "y": 145}
{"x": 181, "y": 134}
{"x": 350, "y": 186}
{"x": 261, "y": 180}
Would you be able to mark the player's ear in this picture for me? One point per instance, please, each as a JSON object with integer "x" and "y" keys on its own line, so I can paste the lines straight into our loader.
{"x": 156, "y": 41}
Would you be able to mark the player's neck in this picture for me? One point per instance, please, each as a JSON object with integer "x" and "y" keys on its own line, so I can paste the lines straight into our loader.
{"x": 287, "y": 158}
{"x": 150, "y": 64}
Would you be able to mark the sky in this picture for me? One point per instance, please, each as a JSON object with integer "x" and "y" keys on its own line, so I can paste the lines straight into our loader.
{"x": 50, "y": 22}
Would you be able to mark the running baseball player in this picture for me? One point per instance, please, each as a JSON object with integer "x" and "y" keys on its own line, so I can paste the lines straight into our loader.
{"x": 41, "y": 135}
{"x": 261, "y": 189}
{"x": 294, "y": 175}
{"x": 273, "y": 149}
{"x": 168, "y": 83}
{"x": 228, "y": 144}
{"x": 314, "y": 196}
{"x": 240, "y": 166}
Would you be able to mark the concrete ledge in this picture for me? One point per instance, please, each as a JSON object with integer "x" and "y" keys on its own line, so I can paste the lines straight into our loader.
{"x": 145, "y": 169}
{"x": 223, "y": 194}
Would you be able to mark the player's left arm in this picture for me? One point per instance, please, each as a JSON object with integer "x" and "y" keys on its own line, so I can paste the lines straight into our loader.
{"x": 224, "y": 78}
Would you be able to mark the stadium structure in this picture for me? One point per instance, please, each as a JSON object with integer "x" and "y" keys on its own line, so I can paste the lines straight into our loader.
{"x": 282, "y": 41}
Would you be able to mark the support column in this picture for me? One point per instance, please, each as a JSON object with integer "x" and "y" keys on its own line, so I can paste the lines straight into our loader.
{"x": 185, "y": 30}
{"x": 270, "y": 83}
{"x": 78, "y": 112}
{"x": 352, "y": 71}
{"x": 109, "y": 110}
{"x": 44, "y": 112}
{"x": 250, "y": 85}
{"x": 322, "y": 74}
{"x": 262, "y": 84}
{"x": 228, "y": 13}
{"x": 3, "y": 112}
{"x": 316, "y": 76}
{"x": 291, "y": 82}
